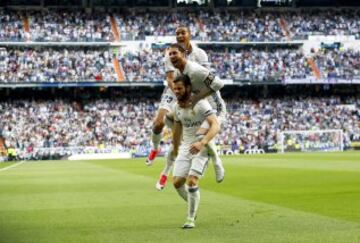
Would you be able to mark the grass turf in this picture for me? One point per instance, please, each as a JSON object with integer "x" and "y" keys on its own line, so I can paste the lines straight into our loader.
{"x": 264, "y": 198}
{"x": 6, "y": 164}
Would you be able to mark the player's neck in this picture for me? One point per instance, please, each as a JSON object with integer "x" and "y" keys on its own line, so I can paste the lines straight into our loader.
{"x": 182, "y": 66}
{"x": 188, "y": 47}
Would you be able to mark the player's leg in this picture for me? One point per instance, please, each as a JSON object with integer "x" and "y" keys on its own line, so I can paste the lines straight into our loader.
{"x": 180, "y": 172}
{"x": 193, "y": 201}
{"x": 179, "y": 184}
{"x": 214, "y": 155}
{"x": 166, "y": 104}
{"x": 198, "y": 167}
{"x": 158, "y": 126}
{"x": 161, "y": 183}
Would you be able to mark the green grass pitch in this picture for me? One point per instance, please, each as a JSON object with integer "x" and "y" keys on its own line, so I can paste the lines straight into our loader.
{"x": 264, "y": 198}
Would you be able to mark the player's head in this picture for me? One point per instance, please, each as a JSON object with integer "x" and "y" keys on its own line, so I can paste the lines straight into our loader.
{"x": 176, "y": 54}
{"x": 183, "y": 34}
{"x": 182, "y": 87}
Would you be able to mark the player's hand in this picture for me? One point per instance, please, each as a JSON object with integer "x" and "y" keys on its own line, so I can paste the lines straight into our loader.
{"x": 196, "y": 147}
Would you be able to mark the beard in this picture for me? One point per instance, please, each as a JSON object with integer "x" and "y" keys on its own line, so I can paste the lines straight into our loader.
{"x": 184, "y": 97}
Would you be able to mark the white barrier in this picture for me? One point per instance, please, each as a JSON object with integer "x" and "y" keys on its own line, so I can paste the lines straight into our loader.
{"x": 124, "y": 155}
{"x": 254, "y": 151}
{"x": 229, "y": 152}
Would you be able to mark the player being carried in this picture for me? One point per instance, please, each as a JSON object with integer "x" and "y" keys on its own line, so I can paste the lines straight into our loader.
{"x": 191, "y": 153}
{"x": 163, "y": 115}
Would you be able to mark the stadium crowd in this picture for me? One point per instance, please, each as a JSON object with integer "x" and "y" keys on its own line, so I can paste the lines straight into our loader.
{"x": 56, "y": 65}
{"x": 27, "y": 125}
{"x": 70, "y": 26}
{"x": 263, "y": 65}
{"x": 143, "y": 65}
{"x": 258, "y": 65}
{"x": 11, "y": 26}
{"x": 338, "y": 63}
{"x": 323, "y": 22}
{"x": 245, "y": 25}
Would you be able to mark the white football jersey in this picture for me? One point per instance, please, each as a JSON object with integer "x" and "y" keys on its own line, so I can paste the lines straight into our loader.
{"x": 168, "y": 97}
{"x": 197, "y": 55}
{"x": 201, "y": 78}
{"x": 191, "y": 120}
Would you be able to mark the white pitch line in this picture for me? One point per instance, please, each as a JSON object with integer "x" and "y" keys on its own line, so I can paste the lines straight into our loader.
{"x": 12, "y": 166}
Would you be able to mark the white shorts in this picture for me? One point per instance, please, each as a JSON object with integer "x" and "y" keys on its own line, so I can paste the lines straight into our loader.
{"x": 187, "y": 164}
{"x": 168, "y": 100}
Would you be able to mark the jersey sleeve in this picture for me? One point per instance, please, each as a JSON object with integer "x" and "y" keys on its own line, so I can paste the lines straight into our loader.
{"x": 203, "y": 59}
{"x": 204, "y": 108}
{"x": 202, "y": 74}
{"x": 213, "y": 82}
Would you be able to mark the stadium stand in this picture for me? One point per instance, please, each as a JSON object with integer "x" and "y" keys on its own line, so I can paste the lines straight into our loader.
{"x": 97, "y": 64}
{"x": 122, "y": 46}
{"x": 56, "y": 65}
{"x": 245, "y": 25}
{"x": 68, "y": 124}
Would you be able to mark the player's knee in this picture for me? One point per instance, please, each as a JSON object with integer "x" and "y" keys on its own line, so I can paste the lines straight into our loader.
{"x": 178, "y": 182}
{"x": 192, "y": 181}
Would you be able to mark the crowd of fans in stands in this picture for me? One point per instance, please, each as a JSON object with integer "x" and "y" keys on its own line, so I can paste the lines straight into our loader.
{"x": 260, "y": 65}
{"x": 337, "y": 63}
{"x": 27, "y": 125}
{"x": 56, "y": 65}
{"x": 146, "y": 65}
{"x": 70, "y": 26}
{"x": 11, "y": 26}
{"x": 245, "y": 25}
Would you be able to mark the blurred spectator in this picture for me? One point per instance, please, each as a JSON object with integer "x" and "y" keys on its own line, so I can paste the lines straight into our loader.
{"x": 11, "y": 26}
{"x": 338, "y": 63}
{"x": 56, "y": 65}
{"x": 244, "y": 25}
{"x": 63, "y": 26}
{"x": 250, "y": 123}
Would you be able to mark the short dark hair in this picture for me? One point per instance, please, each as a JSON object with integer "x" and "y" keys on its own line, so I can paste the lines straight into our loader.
{"x": 184, "y": 79}
{"x": 185, "y": 27}
{"x": 178, "y": 46}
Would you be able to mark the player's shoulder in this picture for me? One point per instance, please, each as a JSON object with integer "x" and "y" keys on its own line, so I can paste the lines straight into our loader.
{"x": 200, "y": 54}
{"x": 202, "y": 104}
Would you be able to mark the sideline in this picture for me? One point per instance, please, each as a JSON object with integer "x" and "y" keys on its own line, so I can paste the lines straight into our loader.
{"x": 12, "y": 166}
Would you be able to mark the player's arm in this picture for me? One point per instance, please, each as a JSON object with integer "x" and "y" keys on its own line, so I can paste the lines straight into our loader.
{"x": 201, "y": 95}
{"x": 212, "y": 85}
{"x": 213, "y": 130}
{"x": 177, "y": 131}
{"x": 170, "y": 71}
{"x": 170, "y": 76}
